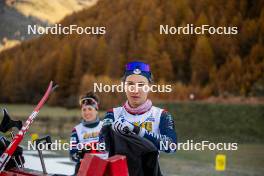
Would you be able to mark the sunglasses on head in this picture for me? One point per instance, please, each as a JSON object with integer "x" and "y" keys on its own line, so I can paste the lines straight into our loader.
{"x": 137, "y": 65}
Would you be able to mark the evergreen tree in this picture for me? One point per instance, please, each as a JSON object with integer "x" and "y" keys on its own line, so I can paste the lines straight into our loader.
{"x": 202, "y": 61}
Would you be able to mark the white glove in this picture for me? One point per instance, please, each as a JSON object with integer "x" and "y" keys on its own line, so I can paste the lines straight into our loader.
{"x": 122, "y": 126}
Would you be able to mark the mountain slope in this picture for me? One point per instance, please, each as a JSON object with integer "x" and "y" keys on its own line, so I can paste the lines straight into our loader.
{"x": 16, "y": 15}
{"x": 51, "y": 11}
{"x": 203, "y": 64}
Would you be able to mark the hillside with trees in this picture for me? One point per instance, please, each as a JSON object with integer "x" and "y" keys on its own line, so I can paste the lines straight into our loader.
{"x": 208, "y": 65}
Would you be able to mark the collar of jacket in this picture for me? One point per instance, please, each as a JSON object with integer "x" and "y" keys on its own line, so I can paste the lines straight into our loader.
{"x": 91, "y": 124}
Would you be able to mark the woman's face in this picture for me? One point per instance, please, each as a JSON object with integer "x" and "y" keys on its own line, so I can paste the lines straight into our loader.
{"x": 135, "y": 93}
{"x": 89, "y": 113}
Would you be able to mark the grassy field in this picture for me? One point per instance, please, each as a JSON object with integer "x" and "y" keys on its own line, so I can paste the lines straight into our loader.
{"x": 198, "y": 121}
{"x": 23, "y": 110}
{"x": 218, "y": 122}
{"x": 247, "y": 160}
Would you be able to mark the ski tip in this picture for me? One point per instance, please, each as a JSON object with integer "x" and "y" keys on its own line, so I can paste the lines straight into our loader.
{"x": 55, "y": 87}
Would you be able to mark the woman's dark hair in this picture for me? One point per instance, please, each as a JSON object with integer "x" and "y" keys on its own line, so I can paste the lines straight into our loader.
{"x": 90, "y": 94}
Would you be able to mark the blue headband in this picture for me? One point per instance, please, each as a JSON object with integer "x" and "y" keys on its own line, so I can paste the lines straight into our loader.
{"x": 138, "y": 68}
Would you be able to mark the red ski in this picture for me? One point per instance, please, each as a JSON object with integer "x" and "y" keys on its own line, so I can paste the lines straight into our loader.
{"x": 20, "y": 135}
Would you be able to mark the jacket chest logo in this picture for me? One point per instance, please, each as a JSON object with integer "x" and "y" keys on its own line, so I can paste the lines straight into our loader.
{"x": 90, "y": 135}
{"x": 146, "y": 125}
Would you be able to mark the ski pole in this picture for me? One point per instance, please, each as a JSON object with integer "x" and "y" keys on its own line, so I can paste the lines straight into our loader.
{"x": 45, "y": 140}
